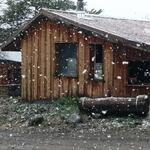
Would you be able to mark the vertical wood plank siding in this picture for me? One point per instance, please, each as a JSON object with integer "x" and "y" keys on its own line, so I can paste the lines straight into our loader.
{"x": 120, "y": 75}
{"x": 120, "y": 71}
{"x": 108, "y": 68}
{"x": 35, "y": 64}
{"x": 133, "y": 55}
{"x": 39, "y": 64}
{"x": 48, "y": 55}
{"x": 23, "y": 69}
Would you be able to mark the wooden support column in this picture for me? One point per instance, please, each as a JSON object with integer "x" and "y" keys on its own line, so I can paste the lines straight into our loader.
{"x": 42, "y": 65}
{"x": 108, "y": 69}
{"x": 48, "y": 56}
{"x": 29, "y": 68}
{"x": 81, "y": 65}
{"x": 23, "y": 69}
{"x": 35, "y": 64}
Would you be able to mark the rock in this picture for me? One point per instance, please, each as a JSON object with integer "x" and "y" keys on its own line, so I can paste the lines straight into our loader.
{"x": 54, "y": 121}
{"x": 36, "y": 120}
{"x": 85, "y": 117}
{"x": 74, "y": 119}
{"x": 42, "y": 109}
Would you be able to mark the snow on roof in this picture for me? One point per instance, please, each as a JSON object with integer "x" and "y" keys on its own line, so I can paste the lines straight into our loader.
{"x": 13, "y": 56}
{"x": 134, "y": 33}
{"x": 134, "y": 30}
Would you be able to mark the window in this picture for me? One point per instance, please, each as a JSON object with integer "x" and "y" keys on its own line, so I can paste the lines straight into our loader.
{"x": 97, "y": 61}
{"x": 139, "y": 72}
{"x": 66, "y": 59}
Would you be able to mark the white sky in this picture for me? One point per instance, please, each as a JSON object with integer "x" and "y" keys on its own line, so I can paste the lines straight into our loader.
{"x": 133, "y": 9}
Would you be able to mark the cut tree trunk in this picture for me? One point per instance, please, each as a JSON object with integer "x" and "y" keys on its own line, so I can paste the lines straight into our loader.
{"x": 116, "y": 105}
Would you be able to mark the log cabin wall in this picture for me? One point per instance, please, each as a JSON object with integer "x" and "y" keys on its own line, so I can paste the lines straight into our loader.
{"x": 123, "y": 55}
{"x": 136, "y": 55}
{"x": 39, "y": 63}
{"x": 9, "y": 72}
{"x": 120, "y": 71}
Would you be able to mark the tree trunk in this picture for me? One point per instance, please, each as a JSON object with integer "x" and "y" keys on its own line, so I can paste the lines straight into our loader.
{"x": 116, "y": 105}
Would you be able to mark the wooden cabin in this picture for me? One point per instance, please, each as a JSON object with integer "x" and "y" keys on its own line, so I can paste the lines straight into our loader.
{"x": 10, "y": 78}
{"x": 77, "y": 54}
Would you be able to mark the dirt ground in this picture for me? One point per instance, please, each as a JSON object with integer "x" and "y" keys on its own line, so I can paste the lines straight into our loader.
{"x": 110, "y": 133}
{"x": 75, "y": 139}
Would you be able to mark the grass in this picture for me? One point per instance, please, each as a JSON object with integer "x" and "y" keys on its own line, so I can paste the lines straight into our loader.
{"x": 55, "y": 112}
{"x": 3, "y": 119}
{"x": 66, "y": 106}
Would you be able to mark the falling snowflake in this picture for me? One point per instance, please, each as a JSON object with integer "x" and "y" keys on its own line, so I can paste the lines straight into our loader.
{"x": 84, "y": 71}
{"x": 119, "y": 77}
{"x": 80, "y": 32}
{"x": 125, "y": 62}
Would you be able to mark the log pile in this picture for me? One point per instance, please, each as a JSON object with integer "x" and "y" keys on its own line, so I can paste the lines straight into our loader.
{"x": 116, "y": 105}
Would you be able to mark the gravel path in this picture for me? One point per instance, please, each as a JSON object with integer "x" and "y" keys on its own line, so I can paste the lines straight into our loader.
{"x": 111, "y": 133}
{"x": 75, "y": 139}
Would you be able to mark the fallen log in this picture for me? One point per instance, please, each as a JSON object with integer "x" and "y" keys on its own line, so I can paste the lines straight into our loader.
{"x": 116, "y": 105}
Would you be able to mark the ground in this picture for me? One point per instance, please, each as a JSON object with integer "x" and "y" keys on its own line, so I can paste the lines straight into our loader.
{"x": 75, "y": 139}
{"x": 109, "y": 133}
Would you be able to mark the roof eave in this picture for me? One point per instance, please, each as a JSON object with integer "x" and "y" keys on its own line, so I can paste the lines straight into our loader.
{"x": 51, "y": 15}
{"x": 110, "y": 37}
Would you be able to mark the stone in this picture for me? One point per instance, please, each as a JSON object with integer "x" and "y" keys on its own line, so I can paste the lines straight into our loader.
{"x": 74, "y": 119}
{"x": 35, "y": 120}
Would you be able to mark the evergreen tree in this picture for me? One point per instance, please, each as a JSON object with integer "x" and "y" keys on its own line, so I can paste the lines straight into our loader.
{"x": 80, "y": 5}
{"x": 15, "y": 13}
{"x": 20, "y": 10}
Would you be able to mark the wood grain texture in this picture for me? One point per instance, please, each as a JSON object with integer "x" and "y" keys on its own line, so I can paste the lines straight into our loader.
{"x": 41, "y": 66}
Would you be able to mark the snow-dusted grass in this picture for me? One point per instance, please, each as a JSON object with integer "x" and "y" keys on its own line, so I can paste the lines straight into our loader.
{"x": 15, "y": 112}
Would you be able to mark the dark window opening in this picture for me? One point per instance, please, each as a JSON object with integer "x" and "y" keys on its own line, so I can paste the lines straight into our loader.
{"x": 66, "y": 55}
{"x": 14, "y": 77}
{"x": 97, "y": 61}
{"x": 139, "y": 72}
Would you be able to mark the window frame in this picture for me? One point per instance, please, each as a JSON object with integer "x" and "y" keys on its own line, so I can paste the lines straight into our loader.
{"x": 92, "y": 63}
{"x": 57, "y": 62}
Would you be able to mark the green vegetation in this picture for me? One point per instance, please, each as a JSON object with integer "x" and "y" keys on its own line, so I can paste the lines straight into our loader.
{"x": 14, "y": 111}
{"x": 58, "y": 113}
{"x": 67, "y": 105}
{"x": 19, "y": 11}
{"x": 3, "y": 119}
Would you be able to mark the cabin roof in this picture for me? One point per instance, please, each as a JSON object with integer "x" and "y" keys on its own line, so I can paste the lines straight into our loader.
{"x": 133, "y": 33}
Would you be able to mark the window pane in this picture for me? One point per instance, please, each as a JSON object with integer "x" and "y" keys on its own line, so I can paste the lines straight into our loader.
{"x": 98, "y": 71}
{"x": 98, "y": 51}
{"x": 97, "y": 61}
{"x": 67, "y": 59}
{"x": 72, "y": 63}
